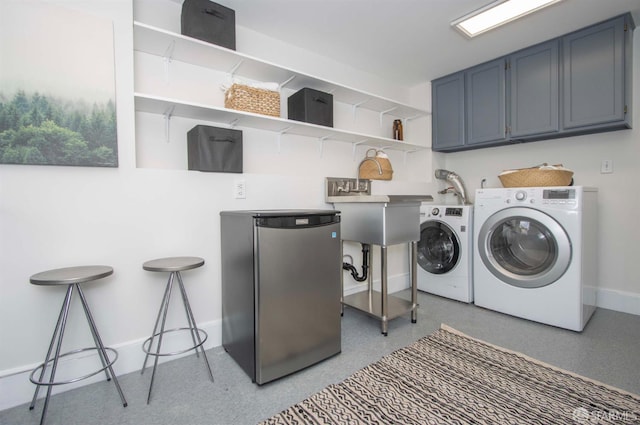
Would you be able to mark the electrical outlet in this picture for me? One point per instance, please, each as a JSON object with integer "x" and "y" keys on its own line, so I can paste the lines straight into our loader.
{"x": 606, "y": 167}
{"x": 240, "y": 189}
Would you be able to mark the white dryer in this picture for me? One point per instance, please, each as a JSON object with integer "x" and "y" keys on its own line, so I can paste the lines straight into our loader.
{"x": 444, "y": 251}
{"x": 535, "y": 253}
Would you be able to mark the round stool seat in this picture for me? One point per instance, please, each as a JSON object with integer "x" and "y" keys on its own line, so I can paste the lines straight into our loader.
{"x": 173, "y": 264}
{"x": 71, "y": 275}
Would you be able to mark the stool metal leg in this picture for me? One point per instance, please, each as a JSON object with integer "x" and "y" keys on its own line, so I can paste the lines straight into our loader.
{"x": 104, "y": 360}
{"x": 99, "y": 344}
{"x": 59, "y": 331}
{"x": 192, "y": 324}
{"x": 164, "y": 308}
{"x": 155, "y": 327}
{"x": 48, "y": 356}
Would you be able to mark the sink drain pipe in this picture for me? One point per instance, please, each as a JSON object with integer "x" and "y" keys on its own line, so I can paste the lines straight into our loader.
{"x": 365, "y": 265}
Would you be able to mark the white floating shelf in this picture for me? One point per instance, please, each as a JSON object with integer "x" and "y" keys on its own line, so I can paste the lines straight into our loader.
{"x": 159, "y": 42}
{"x": 230, "y": 117}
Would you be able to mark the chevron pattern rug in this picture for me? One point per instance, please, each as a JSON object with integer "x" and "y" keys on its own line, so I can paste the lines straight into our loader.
{"x": 451, "y": 378}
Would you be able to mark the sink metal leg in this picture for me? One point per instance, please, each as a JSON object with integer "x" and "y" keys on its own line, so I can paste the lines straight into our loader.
{"x": 341, "y": 278}
{"x": 414, "y": 281}
{"x": 384, "y": 290}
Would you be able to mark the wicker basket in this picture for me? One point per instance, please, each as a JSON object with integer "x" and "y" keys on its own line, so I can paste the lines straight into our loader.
{"x": 375, "y": 167}
{"x": 536, "y": 177}
{"x": 251, "y": 99}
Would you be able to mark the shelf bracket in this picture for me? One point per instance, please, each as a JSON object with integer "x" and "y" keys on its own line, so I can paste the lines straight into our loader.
{"x": 280, "y": 133}
{"x": 321, "y": 140}
{"x": 386, "y": 112}
{"x": 167, "y": 57}
{"x": 233, "y": 123}
{"x": 412, "y": 118}
{"x": 287, "y": 81}
{"x": 355, "y": 146}
{"x": 355, "y": 107}
{"x": 233, "y": 70}
{"x": 167, "y": 123}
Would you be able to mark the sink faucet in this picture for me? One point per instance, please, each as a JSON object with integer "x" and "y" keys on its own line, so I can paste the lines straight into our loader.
{"x": 344, "y": 186}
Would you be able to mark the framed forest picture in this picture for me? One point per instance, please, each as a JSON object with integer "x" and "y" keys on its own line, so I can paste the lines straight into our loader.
{"x": 57, "y": 86}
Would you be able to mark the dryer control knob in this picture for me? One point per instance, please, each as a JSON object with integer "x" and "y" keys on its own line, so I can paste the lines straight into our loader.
{"x": 521, "y": 195}
{"x": 435, "y": 211}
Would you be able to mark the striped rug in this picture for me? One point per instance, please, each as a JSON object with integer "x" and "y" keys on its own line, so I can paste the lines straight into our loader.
{"x": 451, "y": 378}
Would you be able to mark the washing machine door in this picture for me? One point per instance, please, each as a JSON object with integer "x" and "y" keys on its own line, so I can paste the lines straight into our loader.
{"x": 438, "y": 247}
{"x": 524, "y": 247}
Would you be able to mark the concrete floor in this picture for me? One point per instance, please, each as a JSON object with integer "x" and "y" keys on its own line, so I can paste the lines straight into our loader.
{"x": 607, "y": 350}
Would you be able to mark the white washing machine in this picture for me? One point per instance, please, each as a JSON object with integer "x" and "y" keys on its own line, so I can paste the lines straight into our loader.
{"x": 535, "y": 253}
{"x": 444, "y": 251}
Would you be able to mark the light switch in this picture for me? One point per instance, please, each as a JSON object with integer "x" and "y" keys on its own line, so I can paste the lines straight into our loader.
{"x": 606, "y": 167}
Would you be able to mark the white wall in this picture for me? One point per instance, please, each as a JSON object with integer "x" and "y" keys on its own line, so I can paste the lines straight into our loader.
{"x": 618, "y": 195}
{"x": 151, "y": 207}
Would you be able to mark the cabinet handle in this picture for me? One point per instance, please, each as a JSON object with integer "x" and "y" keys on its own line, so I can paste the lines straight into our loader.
{"x": 319, "y": 100}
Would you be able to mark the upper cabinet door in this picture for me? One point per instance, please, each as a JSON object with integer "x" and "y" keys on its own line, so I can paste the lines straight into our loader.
{"x": 594, "y": 75}
{"x": 534, "y": 98}
{"x": 447, "y": 98}
{"x": 485, "y": 103}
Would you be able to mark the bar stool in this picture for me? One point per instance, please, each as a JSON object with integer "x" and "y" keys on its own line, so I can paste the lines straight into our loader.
{"x": 72, "y": 277}
{"x": 173, "y": 265}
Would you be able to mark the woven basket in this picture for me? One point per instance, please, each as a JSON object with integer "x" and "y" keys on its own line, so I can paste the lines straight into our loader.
{"x": 251, "y": 99}
{"x": 535, "y": 177}
{"x": 371, "y": 166}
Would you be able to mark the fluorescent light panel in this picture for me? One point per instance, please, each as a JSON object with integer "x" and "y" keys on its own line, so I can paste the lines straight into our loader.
{"x": 498, "y": 13}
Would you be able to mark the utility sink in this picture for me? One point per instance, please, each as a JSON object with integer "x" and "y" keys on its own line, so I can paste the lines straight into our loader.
{"x": 378, "y": 220}
{"x": 374, "y": 219}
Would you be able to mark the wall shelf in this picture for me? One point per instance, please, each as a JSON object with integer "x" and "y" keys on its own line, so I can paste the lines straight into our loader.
{"x": 231, "y": 118}
{"x": 173, "y": 46}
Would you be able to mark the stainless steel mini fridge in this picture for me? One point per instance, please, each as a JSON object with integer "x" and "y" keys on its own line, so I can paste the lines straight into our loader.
{"x": 280, "y": 289}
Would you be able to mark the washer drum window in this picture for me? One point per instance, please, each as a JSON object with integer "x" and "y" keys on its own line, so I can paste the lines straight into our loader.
{"x": 438, "y": 247}
{"x": 524, "y": 247}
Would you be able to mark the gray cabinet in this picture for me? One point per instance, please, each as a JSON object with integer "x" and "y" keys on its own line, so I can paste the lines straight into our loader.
{"x": 576, "y": 84}
{"x": 447, "y": 101}
{"x": 534, "y": 95}
{"x": 485, "y": 103}
{"x": 594, "y": 72}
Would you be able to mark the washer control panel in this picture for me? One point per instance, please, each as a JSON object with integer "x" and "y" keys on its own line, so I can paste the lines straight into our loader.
{"x": 559, "y": 196}
{"x": 453, "y": 212}
{"x": 556, "y": 197}
{"x": 521, "y": 195}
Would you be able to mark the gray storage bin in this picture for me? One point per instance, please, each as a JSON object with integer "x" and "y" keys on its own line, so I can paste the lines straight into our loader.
{"x": 312, "y": 106}
{"x": 209, "y": 21}
{"x": 214, "y": 149}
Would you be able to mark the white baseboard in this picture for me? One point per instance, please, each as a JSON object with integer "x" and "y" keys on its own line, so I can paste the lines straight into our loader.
{"x": 625, "y": 302}
{"x": 16, "y": 388}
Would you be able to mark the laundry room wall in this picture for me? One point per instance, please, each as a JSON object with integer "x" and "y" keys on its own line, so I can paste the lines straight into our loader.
{"x": 618, "y": 193}
{"x": 149, "y": 207}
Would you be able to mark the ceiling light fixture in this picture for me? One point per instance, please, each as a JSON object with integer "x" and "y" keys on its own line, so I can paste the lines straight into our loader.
{"x": 497, "y": 13}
